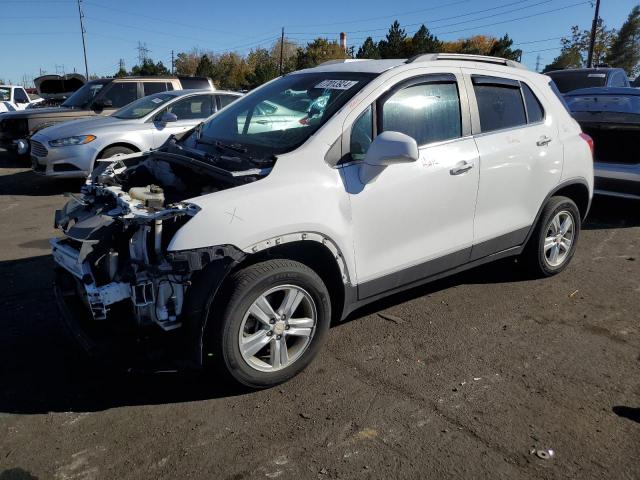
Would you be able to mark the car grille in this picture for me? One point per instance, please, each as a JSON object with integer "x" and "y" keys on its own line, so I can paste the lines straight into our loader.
{"x": 38, "y": 149}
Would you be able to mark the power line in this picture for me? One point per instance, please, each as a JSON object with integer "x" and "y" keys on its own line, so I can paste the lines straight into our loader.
{"x": 503, "y": 21}
{"x": 539, "y": 41}
{"x": 164, "y": 20}
{"x": 363, "y": 20}
{"x": 453, "y": 17}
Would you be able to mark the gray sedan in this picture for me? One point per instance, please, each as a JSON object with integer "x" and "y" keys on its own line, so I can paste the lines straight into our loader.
{"x": 70, "y": 149}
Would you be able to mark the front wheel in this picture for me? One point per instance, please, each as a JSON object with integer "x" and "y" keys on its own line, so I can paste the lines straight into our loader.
{"x": 276, "y": 319}
{"x": 553, "y": 242}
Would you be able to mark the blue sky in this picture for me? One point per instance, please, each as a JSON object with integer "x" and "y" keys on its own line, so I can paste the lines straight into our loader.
{"x": 45, "y": 34}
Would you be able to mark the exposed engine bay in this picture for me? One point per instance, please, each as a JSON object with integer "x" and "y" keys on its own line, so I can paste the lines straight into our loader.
{"x": 116, "y": 234}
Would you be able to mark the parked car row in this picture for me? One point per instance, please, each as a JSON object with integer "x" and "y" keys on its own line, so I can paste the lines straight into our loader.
{"x": 71, "y": 149}
{"x": 97, "y": 97}
{"x": 237, "y": 242}
{"x": 608, "y": 109}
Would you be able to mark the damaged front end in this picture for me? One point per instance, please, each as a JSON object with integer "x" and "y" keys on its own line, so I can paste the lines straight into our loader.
{"x": 116, "y": 233}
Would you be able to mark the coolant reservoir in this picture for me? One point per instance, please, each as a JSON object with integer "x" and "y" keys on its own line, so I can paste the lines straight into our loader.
{"x": 152, "y": 195}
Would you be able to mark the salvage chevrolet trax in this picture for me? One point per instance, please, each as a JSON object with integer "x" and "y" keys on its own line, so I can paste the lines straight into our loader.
{"x": 314, "y": 194}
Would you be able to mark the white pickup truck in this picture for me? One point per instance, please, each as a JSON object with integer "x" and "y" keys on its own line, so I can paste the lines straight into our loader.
{"x": 14, "y": 98}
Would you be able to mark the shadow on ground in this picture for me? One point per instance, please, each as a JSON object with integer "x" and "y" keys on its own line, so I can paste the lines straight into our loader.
{"x": 29, "y": 183}
{"x": 629, "y": 413}
{"x": 612, "y": 212}
{"x": 42, "y": 371}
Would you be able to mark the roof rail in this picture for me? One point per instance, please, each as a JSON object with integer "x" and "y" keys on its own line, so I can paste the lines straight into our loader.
{"x": 431, "y": 57}
{"x": 343, "y": 60}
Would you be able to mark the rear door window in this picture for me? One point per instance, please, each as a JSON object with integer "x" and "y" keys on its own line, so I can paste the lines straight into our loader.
{"x": 428, "y": 111}
{"x": 121, "y": 93}
{"x": 535, "y": 112}
{"x": 500, "y": 103}
{"x": 193, "y": 108}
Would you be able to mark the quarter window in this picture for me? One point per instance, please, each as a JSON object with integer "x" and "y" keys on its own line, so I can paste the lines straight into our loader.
{"x": 154, "y": 87}
{"x": 500, "y": 105}
{"x": 226, "y": 100}
{"x": 428, "y": 112}
{"x": 535, "y": 113}
{"x": 361, "y": 135}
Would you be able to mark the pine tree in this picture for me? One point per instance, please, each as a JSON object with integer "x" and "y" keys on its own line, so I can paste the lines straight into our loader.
{"x": 394, "y": 45}
{"x": 625, "y": 49}
{"x": 424, "y": 41}
{"x": 205, "y": 67}
{"x": 502, "y": 48}
{"x": 369, "y": 49}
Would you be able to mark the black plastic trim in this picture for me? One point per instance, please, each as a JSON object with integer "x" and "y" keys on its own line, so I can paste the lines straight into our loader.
{"x": 487, "y": 80}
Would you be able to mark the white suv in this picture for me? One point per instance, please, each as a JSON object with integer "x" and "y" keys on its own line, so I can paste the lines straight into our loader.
{"x": 315, "y": 194}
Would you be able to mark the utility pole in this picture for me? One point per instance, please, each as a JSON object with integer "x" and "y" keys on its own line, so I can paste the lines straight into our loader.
{"x": 281, "y": 49}
{"x": 84, "y": 45}
{"x": 538, "y": 63}
{"x": 172, "y": 63}
{"x": 594, "y": 28}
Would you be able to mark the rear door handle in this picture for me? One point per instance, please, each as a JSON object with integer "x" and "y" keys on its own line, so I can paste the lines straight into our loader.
{"x": 543, "y": 141}
{"x": 461, "y": 167}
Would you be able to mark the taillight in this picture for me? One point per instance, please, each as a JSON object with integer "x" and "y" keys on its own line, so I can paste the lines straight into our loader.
{"x": 589, "y": 141}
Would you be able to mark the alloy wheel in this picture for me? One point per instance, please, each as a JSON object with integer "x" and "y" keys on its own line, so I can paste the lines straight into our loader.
{"x": 277, "y": 328}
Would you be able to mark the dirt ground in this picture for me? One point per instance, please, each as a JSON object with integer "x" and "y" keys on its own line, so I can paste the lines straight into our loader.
{"x": 463, "y": 378}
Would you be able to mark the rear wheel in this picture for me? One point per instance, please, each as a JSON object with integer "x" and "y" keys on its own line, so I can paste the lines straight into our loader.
{"x": 275, "y": 321}
{"x": 554, "y": 239}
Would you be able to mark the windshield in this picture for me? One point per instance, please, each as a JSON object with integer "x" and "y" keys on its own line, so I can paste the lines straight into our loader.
{"x": 5, "y": 94}
{"x": 143, "y": 107}
{"x": 282, "y": 115}
{"x": 569, "y": 81}
{"x": 84, "y": 95}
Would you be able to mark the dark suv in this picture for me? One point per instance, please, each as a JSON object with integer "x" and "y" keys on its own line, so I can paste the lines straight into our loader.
{"x": 97, "y": 97}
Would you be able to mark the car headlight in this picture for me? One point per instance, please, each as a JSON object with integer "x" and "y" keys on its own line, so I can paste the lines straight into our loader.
{"x": 78, "y": 140}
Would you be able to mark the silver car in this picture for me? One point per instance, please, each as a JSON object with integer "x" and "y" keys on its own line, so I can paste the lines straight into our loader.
{"x": 70, "y": 149}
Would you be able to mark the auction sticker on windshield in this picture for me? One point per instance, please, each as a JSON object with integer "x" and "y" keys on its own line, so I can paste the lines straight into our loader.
{"x": 337, "y": 84}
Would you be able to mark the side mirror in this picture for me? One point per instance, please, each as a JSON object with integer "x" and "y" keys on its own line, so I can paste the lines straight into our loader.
{"x": 388, "y": 148}
{"x": 392, "y": 147}
{"x": 103, "y": 103}
{"x": 168, "y": 117}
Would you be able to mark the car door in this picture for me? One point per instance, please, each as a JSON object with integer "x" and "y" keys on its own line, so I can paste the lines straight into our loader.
{"x": 189, "y": 112}
{"x": 520, "y": 158}
{"x": 414, "y": 219}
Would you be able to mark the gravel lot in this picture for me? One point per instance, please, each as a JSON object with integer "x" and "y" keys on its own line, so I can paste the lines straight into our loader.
{"x": 459, "y": 379}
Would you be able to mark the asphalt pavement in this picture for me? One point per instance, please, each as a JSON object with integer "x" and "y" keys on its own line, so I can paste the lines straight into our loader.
{"x": 476, "y": 376}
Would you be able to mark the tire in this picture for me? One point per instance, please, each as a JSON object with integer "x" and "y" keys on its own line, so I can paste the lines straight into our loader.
{"x": 98, "y": 167}
{"x": 544, "y": 257}
{"x": 113, "y": 151}
{"x": 275, "y": 281}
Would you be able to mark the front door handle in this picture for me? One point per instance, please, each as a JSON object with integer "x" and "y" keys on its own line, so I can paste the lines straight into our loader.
{"x": 544, "y": 140}
{"x": 461, "y": 167}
